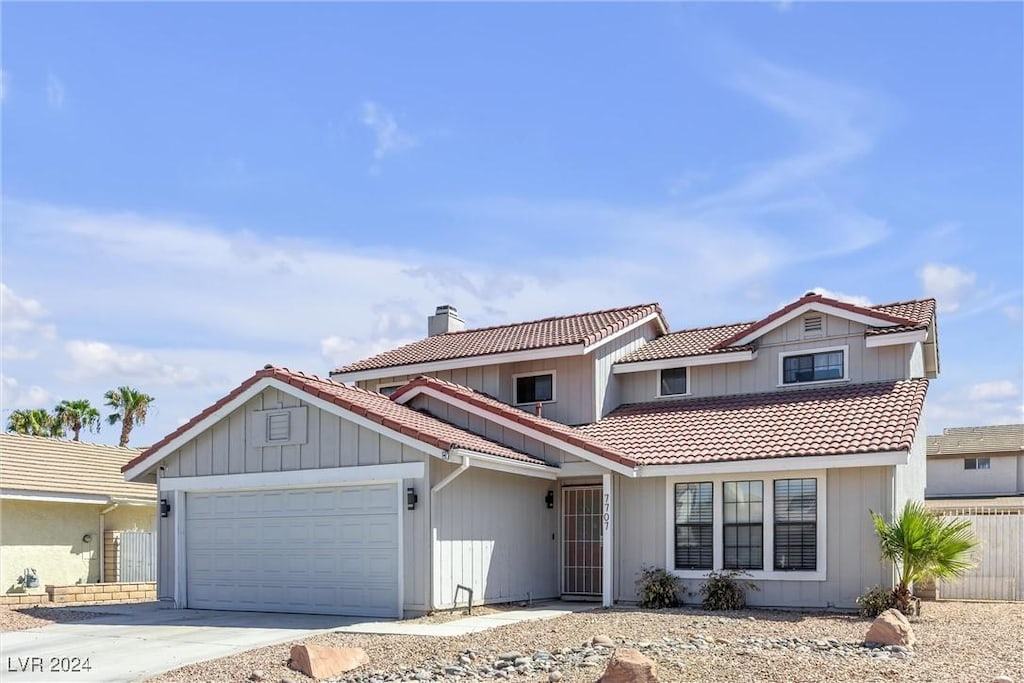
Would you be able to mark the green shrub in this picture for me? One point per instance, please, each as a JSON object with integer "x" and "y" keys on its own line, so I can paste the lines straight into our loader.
{"x": 876, "y": 600}
{"x": 657, "y": 588}
{"x": 723, "y": 591}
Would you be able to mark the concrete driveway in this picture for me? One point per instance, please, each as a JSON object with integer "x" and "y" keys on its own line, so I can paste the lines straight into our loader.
{"x": 134, "y": 642}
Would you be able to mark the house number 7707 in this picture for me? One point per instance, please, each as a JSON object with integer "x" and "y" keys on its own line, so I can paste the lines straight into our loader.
{"x": 607, "y": 510}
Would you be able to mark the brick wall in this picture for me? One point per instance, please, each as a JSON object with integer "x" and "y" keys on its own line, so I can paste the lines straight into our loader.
{"x": 86, "y": 592}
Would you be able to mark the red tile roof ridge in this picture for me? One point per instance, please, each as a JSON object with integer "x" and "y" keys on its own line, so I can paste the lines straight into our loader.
{"x": 925, "y": 300}
{"x": 494, "y": 405}
{"x": 654, "y": 304}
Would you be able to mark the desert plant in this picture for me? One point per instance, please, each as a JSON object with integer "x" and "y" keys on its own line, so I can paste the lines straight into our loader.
{"x": 34, "y": 422}
{"x": 923, "y": 545}
{"x": 875, "y": 601}
{"x": 723, "y": 590}
{"x": 131, "y": 406}
{"x": 657, "y": 588}
{"x": 76, "y": 416}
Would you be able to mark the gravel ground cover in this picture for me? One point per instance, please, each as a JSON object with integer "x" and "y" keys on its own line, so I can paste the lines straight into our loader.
{"x": 32, "y": 617}
{"x": 957, "y": 642}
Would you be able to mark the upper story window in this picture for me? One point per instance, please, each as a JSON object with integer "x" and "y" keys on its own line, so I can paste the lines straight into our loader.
{"x": 388, "y": 389}
{"x": 818, "y": 366}
{"x": 672, "y": 382}
{"x": 977, "y": 464}
{"x": 534, "y": 388}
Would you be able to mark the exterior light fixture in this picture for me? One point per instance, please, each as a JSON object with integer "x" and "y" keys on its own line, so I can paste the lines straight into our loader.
{"x": 165, "y": 507}
{"x": 550, "y": 499}
{"x": 411, "y": 498}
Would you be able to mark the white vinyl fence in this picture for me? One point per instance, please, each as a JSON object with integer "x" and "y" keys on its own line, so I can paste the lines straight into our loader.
{"x": 137, "y": 561}
{"x": 999, "y": 559}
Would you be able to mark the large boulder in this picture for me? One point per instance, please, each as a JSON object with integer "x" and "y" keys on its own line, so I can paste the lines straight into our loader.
{"x": 891, "y": 628}
{"x": 630, "y": 666}
{"x": 326, "y": 662}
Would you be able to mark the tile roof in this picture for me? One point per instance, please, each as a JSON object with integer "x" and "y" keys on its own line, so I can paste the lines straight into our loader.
{"x": 369, "y": 404}
{"x": 967, "y": 440}
{"x": 494, "y": 406}
{"x": 42, "y": 464}
{"x": 581, "y": 328}
{"x": 913, "y": 315}
{"x": 838, "y": 420}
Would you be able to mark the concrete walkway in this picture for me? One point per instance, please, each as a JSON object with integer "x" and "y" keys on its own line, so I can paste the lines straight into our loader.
{"x": 467, "y": 625}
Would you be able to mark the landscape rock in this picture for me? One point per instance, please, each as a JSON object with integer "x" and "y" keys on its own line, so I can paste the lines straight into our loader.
{"x": 602, "y": 641}
{"x": 891, "y": 628}
{"x": 628, "y": 665}
{"x": 326, "y": 662}
{"x": 1002, "y": 679}
{"x": 257, "y": 675}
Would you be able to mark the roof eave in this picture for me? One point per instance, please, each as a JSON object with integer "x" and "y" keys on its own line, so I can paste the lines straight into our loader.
{"x": 779, "y": 464}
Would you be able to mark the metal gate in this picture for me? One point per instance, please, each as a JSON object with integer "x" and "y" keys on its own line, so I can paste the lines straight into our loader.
{"x": 582, "y": 521}
{"x": 137, "y": 557}
{"x": 998, "y": 573}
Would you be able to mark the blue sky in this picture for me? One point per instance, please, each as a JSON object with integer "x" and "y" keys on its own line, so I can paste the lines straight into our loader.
{"x": 193, "y": 190}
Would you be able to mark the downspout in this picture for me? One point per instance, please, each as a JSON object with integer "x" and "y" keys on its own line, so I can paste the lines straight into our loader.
{"x": 433, "y": 528}
{"x": 102, "y": 543}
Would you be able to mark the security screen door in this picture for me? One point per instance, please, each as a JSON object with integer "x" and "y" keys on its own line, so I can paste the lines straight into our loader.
{"x": 581, "y": 538}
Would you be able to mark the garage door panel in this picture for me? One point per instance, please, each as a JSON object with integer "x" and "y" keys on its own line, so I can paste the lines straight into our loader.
{"x": 331, "y": 550}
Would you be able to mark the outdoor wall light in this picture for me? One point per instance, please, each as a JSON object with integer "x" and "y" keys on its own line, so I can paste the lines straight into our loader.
{"x": 550, "y": 499}
{"x": 87, "y": 538}
{"x": 165, "y": 507}
{"x": 411, "y": 498}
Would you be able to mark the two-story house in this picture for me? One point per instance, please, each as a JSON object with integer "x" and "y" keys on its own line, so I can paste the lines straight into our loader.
{"x": 555, "y": 458}
{"x": 972, "y": 463}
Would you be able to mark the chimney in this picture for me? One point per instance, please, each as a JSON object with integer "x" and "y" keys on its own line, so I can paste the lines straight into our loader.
{"x": 445, "y": 319}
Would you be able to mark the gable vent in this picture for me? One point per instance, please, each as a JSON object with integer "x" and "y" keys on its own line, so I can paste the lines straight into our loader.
{"x": 814, "y": 326}
{"x": 279, "y": 427}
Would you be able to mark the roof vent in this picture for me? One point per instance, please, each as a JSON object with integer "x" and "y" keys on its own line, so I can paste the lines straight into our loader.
{"x": 814, "y": 326}
{"x": 445, "y": 319}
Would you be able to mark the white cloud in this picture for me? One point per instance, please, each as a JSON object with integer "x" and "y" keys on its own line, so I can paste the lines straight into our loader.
{"x": 12, "y": 352}
{"x": 14, "y": 397}
{"x": 389, "y": 137}
{"x": 1013, "y": 313}
{"x": 97, "y": 359}
{"x": 337, "y": 350}
{"x": 855, "y": 299}
{"x": 988, "y": 391}
{"x": 54, "y": 91}
{"x": 949, "y": 285}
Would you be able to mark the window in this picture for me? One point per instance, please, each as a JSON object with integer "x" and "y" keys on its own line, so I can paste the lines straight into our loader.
{"x": 813, "y": 367}
{"x": 388, "y": 389}
{"x": 534, "y": 388}
{"x": 672, "y": 382}
{"x": 977, "y": 464}
{"x": 743, "y": 525}
{"x": 694, "y": 533}
{"x": 278, "y": 427}
{"x": 796, "y": 525}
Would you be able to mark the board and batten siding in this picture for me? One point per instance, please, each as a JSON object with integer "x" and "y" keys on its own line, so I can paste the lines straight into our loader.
{"x": 851, "y": 547}
{"x": 494, "y": 533}
{"x": 762, "y": 374}
{"x": 331, "y": 442}
{"x": 574, "y": 384}
{"x": 606, "y": 384}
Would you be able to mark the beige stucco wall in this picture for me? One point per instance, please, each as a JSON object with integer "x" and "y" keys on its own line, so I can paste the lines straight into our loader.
{"x": 947, "y": 476}
{"x": 48, "y": 538}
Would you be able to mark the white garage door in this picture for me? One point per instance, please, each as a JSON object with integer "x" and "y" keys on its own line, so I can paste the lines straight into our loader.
{"x": 318, "y": 551}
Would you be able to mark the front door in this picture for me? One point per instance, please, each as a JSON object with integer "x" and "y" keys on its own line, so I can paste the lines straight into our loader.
{"x": 581, "y": 540}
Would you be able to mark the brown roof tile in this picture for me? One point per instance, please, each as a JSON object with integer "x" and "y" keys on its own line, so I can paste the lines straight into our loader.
{"x": 582, "y": 328}
{"x": 857, "y": 418}
{"x": 984, "y": 439}
{"x": 370, "y": 404}
{"x": 38, "y": 463}
{"x": 492, "y": 405}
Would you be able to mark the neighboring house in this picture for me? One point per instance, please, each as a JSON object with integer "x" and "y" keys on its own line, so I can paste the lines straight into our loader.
{"x": 976, "y": 462}
{"x": 58, "y": 500}
{"x": 555, "y": 458}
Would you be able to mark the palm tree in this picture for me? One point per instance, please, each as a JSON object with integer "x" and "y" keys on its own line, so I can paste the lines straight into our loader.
{"x": 923, "y": 545}
{"x": 76, "y": 416}
{"x": 37, "y": 422}
{"x": 131, "y": 406}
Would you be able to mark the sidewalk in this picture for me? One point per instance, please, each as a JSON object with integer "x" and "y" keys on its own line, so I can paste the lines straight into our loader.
{"x": 461, "y": 627}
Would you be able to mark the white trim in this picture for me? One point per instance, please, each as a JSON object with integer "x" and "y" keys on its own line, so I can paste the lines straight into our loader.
{"x": 914, "y": 336}
{"x": 537, "y": 373}
{"x": 178, "y": 513}
{"x": 296, "y": 478}
{"x": 240, "y": 400}
{"x": 608, "y": 540}
{"x": 599, "y": 460}
{"x": 790, "y": 464}
{"x": 870, "y": 321}
{"x": 625, "y": 330}
{"x": 686, "y": 381}
{"x": 685, "y": 362}
{"x": 845, "y": 348}
{"x": 458, "y": 363}
{"x": 499, "y": 464}
{"x": 400, "y": 573}
{"x": 54, "y": 497}
{"x": 580, "y": 469}
{"x": 767, "y": 521}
